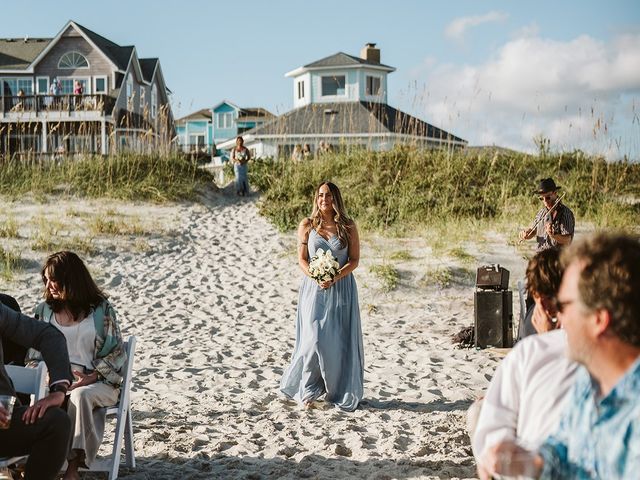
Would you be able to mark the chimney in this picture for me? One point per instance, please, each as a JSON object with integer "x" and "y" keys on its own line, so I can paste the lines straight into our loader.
{"x": 370, "y": 53}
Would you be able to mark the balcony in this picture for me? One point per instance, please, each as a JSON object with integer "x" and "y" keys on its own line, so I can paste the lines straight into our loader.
{"x": 40, "y": 105}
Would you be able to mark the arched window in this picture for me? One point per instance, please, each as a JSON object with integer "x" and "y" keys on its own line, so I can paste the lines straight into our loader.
{"x": 73, "y": 60}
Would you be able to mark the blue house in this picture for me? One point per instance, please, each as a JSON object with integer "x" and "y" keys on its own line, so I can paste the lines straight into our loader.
{"x": 195, "y": 132}
{"x": 230, "y": 120}
{"x": 340, "y": 101}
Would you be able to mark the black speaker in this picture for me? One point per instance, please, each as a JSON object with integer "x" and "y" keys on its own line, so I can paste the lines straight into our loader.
{"x": 493, "y": 312}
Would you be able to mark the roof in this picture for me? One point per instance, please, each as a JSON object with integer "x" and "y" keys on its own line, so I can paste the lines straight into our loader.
{"x": 120, "y": 56}
{"x": 18, "y": 53}
{"x": 350, "y": 118}
{"x": 148, "y": 66}
{"x": 254, "y": 112}
{"x": 203, "y": 114}
{"x": 342, "y": 59}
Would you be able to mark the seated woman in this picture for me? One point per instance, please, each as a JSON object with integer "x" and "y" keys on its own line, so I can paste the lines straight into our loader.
{"x": 79, "y": 309}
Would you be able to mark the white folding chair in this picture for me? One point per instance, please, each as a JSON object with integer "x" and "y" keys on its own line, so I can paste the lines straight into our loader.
{"x": 30, "y": 381}
{"x": 124, "y": 426}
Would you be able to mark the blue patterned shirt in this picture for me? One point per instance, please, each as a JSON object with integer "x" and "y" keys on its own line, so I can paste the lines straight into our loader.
{"x": 597, "y": 437}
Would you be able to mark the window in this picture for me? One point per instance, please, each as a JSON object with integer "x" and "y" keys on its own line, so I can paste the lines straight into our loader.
{"x": 301, "y": 89}
{"x": 333, "y": 86}
{"x": 73, "y": 60}
{"x": 99, "y": 84}
{"x": 196, "y": 141}
{"x": 67, "y": 84}
{"x": 224, "y": 120}
{"x": 373, "y": 85}
{"x": 14, "y": 85}
{"x": 154, "y": 101}
{"x": 42, "y": 85}
{"x": 129, "y": 87}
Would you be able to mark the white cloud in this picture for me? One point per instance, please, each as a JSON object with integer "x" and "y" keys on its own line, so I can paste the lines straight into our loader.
{"x": 458, "y": 27}
{"x": 578, "y": 93}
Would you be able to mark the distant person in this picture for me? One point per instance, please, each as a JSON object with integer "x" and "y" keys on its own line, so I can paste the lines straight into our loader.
{"x": 555, "y": 228}
{"x": 544, "y": 274}
{"x": 80, "y": 310}
{"x": 599, "y": 432}
{"x": 78, "y": 89}
{"x": 42, "y": 430}
{"x": 296, "y": 155}
{"x": 328, "y": 357}
{"x": 55, "y": 88}
{"x": 240, "y": 157}
{"x": 306, "y": 151}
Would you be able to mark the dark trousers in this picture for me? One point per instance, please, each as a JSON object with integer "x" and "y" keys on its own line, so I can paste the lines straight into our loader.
{"x": 46, "y": 442}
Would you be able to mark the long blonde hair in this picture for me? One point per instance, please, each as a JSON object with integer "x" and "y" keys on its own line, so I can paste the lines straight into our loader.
{"x": 343, "y": 221}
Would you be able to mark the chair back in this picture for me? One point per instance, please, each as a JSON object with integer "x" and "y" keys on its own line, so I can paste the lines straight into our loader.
{"x": 125, "y": 387}
{"x": 31, "y": 381}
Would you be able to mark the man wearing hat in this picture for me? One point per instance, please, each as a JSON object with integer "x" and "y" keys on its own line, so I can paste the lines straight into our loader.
{"x": 554, "y": 229}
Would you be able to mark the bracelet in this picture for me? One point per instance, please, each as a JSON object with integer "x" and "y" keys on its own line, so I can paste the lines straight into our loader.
{"x": 59, "y": 387}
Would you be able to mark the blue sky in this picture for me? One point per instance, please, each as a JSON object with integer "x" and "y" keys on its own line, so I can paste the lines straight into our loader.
{"x": 493, "y": 72}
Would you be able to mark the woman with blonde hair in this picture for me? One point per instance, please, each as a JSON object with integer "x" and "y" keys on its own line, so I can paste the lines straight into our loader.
{"x": 80, "y": 310}
{"x": 328, "y": 357}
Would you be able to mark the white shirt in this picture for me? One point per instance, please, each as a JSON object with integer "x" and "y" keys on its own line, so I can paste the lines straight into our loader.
{"x": 527, "y": 394}
{"x": 81, "y": 338}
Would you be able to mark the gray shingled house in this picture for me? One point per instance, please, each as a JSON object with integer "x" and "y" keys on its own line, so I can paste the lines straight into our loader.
{"x": 341, "y": 101}
{"x": 80, "y": 93}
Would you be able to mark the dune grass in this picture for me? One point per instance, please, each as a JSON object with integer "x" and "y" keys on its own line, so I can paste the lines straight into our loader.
{"x": 128, "y": 177}
{"x": 405, "y": 188}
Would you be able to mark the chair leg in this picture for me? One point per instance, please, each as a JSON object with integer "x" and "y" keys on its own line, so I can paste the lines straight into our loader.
{"x": 129, "y": 451}
{"x": 117, "y": 447}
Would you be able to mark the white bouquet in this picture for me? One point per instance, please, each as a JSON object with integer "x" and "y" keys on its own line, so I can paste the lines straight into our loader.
{"x": 323, "y": 266}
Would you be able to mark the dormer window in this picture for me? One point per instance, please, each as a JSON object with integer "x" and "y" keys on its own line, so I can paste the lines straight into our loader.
{"x": 73, "y": 60}
{"x": 333, "y": 86}
{"x": 373, "y": 85}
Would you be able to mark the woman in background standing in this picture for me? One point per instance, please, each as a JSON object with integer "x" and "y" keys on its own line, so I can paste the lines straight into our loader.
{"x": 240, "y": 156}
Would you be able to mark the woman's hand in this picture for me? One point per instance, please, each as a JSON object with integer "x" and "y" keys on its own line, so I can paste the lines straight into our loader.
{"x": 328, "y": 283}
{"x": 84, "y": 379}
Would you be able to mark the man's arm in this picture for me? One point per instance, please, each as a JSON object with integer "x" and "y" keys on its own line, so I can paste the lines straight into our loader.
{"x": 29, "y": 332}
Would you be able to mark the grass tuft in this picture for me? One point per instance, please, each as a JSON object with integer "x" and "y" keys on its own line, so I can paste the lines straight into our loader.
{"x": 387, "y": 275}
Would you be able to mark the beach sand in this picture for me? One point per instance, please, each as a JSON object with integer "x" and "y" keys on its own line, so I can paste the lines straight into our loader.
{"x": 210, "y": 291}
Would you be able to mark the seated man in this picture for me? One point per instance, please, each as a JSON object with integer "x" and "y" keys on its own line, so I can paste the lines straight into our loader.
{"x": 41, "y": 431}
{"x": 13, "y": 353}
{"x": 599, "y": 431}
{"x": 530, "y": 387}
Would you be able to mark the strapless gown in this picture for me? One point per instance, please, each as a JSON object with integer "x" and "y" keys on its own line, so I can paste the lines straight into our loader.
{"x": 328, "y": 356}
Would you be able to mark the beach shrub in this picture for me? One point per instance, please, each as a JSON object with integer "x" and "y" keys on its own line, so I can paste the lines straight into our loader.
{"x": 387, "y": 275}
{"x": 416, "y": 187}
{"x": 127, "y": 176}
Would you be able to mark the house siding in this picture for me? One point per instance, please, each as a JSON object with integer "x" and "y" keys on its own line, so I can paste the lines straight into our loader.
{"x": 98, "y": 63}
{"x": 221, "y": 134}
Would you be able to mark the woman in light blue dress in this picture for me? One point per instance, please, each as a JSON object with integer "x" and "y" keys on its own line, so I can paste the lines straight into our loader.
{"x": 240, "y": 156}
{"x": 328, "y": 357}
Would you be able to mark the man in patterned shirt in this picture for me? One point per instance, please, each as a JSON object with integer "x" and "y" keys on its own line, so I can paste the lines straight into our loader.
{"x": 553, "y": 229}
{"x": 599, "y": 431}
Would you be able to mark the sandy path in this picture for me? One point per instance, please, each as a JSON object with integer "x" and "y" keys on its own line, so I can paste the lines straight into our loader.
{"x": 213, "y": 305}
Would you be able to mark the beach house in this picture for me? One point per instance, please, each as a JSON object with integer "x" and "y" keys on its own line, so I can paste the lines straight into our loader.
{"x": 340, "y": 101}
{"x": 79, "y": 92}
{"x": 230, "y": 120}
{"x": 194, "y": 132}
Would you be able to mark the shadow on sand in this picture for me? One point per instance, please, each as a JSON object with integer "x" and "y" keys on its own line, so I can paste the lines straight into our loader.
{"x": 311, "y": 466}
